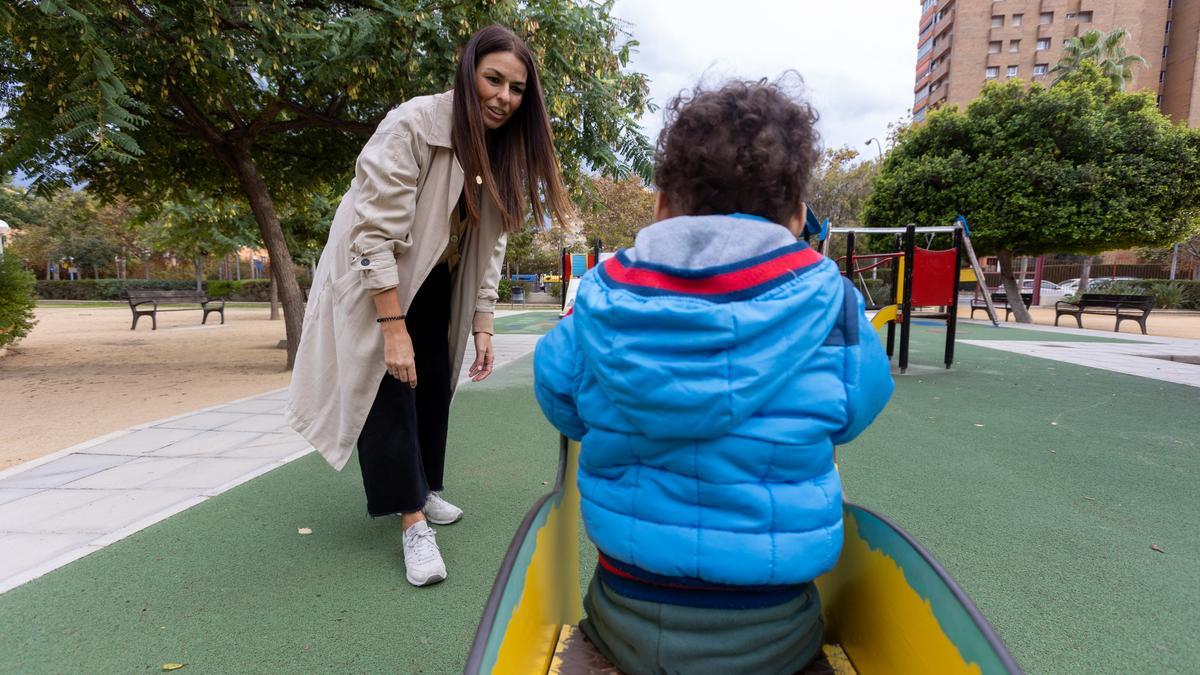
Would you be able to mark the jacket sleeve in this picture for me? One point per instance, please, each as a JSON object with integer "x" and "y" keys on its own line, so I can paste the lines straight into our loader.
{"x": 868, "y": 376}
{"x": 557, "y": 368}
{"x": 485, "y": 300}
{"x": 387, "y": 173}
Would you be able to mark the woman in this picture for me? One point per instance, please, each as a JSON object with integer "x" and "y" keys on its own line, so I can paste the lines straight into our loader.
{"x": 410, "y": 270}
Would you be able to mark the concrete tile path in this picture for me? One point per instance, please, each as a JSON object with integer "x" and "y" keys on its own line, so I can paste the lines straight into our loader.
{"x": 1144, "y": 355}
{"x": 59, "y": 508}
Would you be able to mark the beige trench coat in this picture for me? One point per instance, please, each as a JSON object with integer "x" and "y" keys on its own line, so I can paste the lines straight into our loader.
{"x": 389, "y": 231}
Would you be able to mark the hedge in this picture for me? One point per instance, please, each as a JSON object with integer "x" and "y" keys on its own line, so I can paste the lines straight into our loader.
{"x": 1168, "y": 294}
{"x": 247, "y": 290}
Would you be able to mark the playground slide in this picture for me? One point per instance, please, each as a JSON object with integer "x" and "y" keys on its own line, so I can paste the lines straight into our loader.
{"x": 888, "y": 606}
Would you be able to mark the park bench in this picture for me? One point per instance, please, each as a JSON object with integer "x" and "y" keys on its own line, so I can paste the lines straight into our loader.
{"x": 1123, "y": 307}
{"x": 999, "y": 300}
{"x": 138, "y": 299}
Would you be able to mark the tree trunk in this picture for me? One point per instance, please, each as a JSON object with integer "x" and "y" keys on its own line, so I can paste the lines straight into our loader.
{"x": 239, "y": 159}
{"x": 1011, "y": 290}
{"x": 199, "y": 273}
{"x": 273, "y": 292}
{"x": 1085, "y": 276}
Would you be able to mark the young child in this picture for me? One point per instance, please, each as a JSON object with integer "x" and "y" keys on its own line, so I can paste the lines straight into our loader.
{"x": 709, "y": 371}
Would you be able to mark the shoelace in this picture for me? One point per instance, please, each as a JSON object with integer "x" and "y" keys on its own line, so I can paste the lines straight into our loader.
{"x": 423, "y": 545}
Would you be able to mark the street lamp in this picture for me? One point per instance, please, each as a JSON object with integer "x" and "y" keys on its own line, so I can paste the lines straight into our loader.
{"x": 878, "y": 146}
{"x": 4, "y": 230}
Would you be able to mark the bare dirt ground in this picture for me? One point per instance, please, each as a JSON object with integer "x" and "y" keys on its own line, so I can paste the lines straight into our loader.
{"x": 81, "y": 373}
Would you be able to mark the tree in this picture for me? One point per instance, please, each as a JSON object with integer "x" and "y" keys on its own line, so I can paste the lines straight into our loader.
{"x": 1106, "y": 50}
{"x": 156, "y": 99}
{"x": 840, "y": 186}
{"x": 1080, "y": 167}
{"x": 198, "y": 228}
{"x": 615, "y": 210}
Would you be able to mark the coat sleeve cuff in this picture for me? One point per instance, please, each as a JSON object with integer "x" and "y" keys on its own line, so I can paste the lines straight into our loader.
{"x": 483, "y": 323}
{"x": 379, "y": 271}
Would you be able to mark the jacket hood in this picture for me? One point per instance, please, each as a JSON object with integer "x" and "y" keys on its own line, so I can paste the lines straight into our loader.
{"x": 699, "y": 325}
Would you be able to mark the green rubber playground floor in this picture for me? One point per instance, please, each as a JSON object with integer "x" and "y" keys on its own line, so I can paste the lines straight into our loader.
{"x": 1039, "y": 485}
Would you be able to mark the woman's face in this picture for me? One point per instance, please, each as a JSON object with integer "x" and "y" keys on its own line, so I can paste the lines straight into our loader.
{"x": 500, "y": 83}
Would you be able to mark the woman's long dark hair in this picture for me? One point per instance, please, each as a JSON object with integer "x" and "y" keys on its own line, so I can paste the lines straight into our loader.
{"x": 519, "y": 156}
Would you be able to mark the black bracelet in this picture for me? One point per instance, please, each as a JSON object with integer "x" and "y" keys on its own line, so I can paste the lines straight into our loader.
{"x": 389, "y": 318}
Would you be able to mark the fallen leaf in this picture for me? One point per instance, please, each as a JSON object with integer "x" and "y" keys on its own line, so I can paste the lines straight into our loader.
{"x": 172, "y": 666}
{"x": 1090, "y": 499}
{"x": 978, "y": 425}
{"x": 1054, "y": 451}
{"x": 305, "y": 530}
{"x": 545, "y": 482}
{"x": 424, "y": 641}
{"x": 1054, "y": 424}
{"x": 1156, "y": 547}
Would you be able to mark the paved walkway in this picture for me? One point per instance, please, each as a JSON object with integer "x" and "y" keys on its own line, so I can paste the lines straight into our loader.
{"x": 1159, "y": 358}
{"x": 62, "y": 507}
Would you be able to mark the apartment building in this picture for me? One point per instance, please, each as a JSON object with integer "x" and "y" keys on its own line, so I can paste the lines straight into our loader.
{"x": 964, "y": 44}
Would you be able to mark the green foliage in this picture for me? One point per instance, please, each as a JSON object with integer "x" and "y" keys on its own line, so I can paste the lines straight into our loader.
{"x": 89, "y": 85}
{"x": 105, "y": 289}
{"x": 16, "y": 301}
{"x": 246, "y": 290}
{"x": 617, "y": 211}
{"x": 1078, "y": 167}
{"x": 1103, "y": 49}
{"x": 840, "y": 186}
{"x": 504, "y": 289}
{"x": 1168, "y": 294}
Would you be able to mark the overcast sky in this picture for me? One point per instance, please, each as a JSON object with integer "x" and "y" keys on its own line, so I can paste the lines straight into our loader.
{"x": 856, "y": 56}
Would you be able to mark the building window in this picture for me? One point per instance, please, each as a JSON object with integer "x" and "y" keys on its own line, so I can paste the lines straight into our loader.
{"x": 1162, "y": 76}
{"x": 1013, "y": 71}
{"x": 1085, "y": 17}
{"x": 994, "y": 47}
{"x": 1066, "y": 41}
{"x": 1016, "y": 19}
{"x": 1014, "y": 45}
{"x": 919, "y": 116}
{"x": 1041, "y": 69}
{"x": 1043, "y": 44}
{"x": 1168, "y": 27}
{"x": 1047, "y": 18}
{"x": 1070, "y": 16}
{"x": 928, "y": 5}
{"x": 992, "y": 72}
{"x": 998, "y": 21}
{"x": 1159, "y": 100}
{"x": 1165, "y": 50}
{"x": 1170, "y": 4}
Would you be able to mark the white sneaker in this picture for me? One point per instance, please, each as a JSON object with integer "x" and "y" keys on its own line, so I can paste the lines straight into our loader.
{"x": 441, "y": 512}
{"x": 422, "y": 560}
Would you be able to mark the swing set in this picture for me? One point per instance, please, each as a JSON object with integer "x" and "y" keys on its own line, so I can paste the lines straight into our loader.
{"x": 921, "y": 277}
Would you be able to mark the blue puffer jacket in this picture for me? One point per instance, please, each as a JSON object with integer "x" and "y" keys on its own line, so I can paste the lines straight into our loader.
{"x": 709, "y": 372}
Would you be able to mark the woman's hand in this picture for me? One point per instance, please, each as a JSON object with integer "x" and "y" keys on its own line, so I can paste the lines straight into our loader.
{"x": 484, "y": 358}
{"x": 398, "y": 352}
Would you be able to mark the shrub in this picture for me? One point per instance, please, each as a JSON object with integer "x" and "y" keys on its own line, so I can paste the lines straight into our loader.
{"x": 1168, "y": 294}
{"x": 16, "y": 301}
{"x": 504, "y": 290}
{"x": 105, "y": 289}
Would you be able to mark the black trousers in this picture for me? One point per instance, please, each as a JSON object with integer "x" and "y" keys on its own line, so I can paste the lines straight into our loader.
{"x": 402, "y": 447}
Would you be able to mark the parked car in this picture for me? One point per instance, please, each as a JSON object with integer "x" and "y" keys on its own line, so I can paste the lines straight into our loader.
{"x": 1071, "y": 286}
{"x": 1046, "y": 285}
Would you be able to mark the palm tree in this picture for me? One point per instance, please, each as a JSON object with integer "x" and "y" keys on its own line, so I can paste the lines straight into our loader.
{"x": 1106, "y": 50}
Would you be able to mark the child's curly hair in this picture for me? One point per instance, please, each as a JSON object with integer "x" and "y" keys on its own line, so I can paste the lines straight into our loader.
{"x": 747, "y": 147}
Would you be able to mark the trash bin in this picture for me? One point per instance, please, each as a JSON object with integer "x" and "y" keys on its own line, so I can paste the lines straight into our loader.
{"x": 518, "y": 294}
